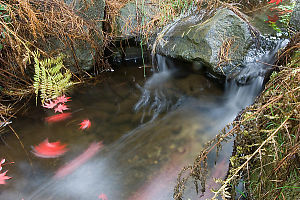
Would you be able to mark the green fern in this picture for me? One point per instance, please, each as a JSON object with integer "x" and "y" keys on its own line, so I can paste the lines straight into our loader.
{"x": 51, "y": 78}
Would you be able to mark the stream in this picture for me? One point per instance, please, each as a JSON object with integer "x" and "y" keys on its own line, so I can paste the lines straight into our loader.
{"x": 149, "y": 127}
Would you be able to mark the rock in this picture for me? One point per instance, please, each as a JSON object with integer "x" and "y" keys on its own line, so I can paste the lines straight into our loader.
{"x": 132, "y": 16}
{"x": 295, "y": 17}
{"x": 85, "y": 53}
{"x": 203, "y": 42}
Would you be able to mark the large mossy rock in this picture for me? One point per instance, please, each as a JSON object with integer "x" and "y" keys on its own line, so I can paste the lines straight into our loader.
{"x": 295, "y": 17}
{"x": 220, "y": 42}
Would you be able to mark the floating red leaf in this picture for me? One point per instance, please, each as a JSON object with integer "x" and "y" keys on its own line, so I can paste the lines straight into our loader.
{"x": 82, "y": 158}
{"x": 277, "y": 1}
{"x": 3, "y": 177}
{"x": 63, "y": 99}
{"x": 102, "y": 196}
{"x": 61, "y": 108}
{"x": 58, "y": 117}
{"x": 50, "y": 104}
{"x": 48, "y": 149}
{"x": 85, "y": 124}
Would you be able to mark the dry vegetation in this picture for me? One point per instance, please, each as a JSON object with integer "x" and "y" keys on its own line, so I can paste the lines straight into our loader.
{"x": 27, "y": 26}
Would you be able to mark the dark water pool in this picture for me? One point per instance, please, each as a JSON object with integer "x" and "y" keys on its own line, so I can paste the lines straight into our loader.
{"x": 142, "y": 154}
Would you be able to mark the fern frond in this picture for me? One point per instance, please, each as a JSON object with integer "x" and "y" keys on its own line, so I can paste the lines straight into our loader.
{"x": 51, "y": 78}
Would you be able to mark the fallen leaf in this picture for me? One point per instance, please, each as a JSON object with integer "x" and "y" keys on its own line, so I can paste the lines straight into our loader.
{"x": 58, "y": 117}
{"x": 82, "y": 158}
{"x": 85, "y": 124}
{"x": 48, "y": 149}
{"x": 102, "y": 197}
{"x": 50, "y": 104}
{"x": 61, "y": 108}
{"x": 63, "y": 99}
{"x": 277, "y": 1}
{"x": 3, "y": 177}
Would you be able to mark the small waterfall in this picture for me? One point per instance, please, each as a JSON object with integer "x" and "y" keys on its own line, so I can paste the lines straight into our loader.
{"x": 242, "y": 91}
{"x": 241, "y": 96}
{"x": 258, "y": 62}
{"x": 156, "y": 98}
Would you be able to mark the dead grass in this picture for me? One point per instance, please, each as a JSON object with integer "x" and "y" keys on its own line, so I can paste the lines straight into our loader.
{"x": 28, "y": 28}
{"x": 226, "y": 50}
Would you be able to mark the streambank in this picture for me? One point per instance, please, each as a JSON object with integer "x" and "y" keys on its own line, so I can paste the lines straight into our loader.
{"x": 267, "y": 145}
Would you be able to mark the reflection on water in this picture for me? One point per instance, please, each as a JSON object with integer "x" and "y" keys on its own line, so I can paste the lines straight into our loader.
{"x": 138, "y": 160}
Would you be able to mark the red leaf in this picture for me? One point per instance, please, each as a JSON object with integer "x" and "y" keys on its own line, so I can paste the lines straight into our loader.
{"x": 85, "y": 124}
{"x": 50, "y": 104}
{"x": 102, "y": 197}
{"x": 277, "y": 1}
{"x": 63, "y": 99}
{"x": 61, "y": 108}
{"x": 58, "y": 117}
{"x": 49, "y": 149}
{"x": 82, "y": 158}
{"x": 3, "y": 177}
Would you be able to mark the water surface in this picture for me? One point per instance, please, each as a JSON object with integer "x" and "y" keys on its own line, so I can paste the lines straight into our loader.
{"x": 150, "y": 129}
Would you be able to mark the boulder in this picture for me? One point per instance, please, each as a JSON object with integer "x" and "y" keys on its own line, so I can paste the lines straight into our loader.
{"x": 132, "y": 16}
{"x": 219, "y": 43}
{"x": 82, "y": 53}
{"x": 295, "y": 17}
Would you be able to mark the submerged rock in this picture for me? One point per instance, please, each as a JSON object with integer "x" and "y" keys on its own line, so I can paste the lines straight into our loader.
{"x": 220, "y": 43}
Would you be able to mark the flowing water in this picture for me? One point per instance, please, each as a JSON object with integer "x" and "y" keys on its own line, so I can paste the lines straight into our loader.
{"x": 150, "y": 128}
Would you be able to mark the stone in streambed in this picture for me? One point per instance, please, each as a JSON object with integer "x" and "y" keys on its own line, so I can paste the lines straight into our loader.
{"x": 204, "y": 41}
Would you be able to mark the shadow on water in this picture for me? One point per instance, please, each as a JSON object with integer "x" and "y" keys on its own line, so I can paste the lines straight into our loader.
{"x": 150, "y": 130}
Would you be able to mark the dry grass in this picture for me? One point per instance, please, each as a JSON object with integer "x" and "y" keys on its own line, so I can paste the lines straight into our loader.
{"x": 28, "y": 28}
{"x": 226, "y": 50}
{"x": 275, "y": 174}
